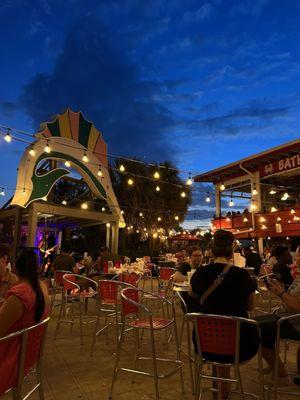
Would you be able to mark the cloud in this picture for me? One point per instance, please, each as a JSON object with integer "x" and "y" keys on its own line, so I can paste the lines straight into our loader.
{"x": 95, "y": 74}
{"x": 202, "y": 13}
{"x": 249, "y": 7}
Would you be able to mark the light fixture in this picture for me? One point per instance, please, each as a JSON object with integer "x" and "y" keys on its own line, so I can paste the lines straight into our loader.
{"x": 278, "y": 219}
{"x": 287, "y": 238}
{"x": 85, "y": 157}
{"x": 141, "y": 214}
{"x": 228, "y": 219}
{"x": 131, "y": 227}
{"x": 262, "y": 219}
{"x": 145, "y": 229}
{"x": 130, "y": 182}
{"x": 273, "y": 209}
{"x": 293, "y": 211}
{"x": 107, "y": 225}
{"x": 157, "y": 188}
{"x": 99, "y": 173}
{"x": 159, "y": 219}
{"x": 7, "y": 137}
{"x": 289, "y": 221}
{"x": 176, "y": 218}
{"x": 32, "y": 151}
{"x": 64, "y": 202}
{"x": 156, "y": 175}
{"x": 263, "y": 227}
{"x": 285, "y": 196}
{"x": 296, "y": 219}
{"x": 254, "y": 191}
{"x": 231, "y": 202}
{"x": 2, "y": 192}
{"x": 47, "y": 147}
{"x": 68, "y": 164}
{"x": 84, "y": 206}
{"x": 245, "y": 219}
{"x": 121, "y": 168}
{"x": 253, "y": 206}
{"x": 272, "y": 191}
{"x": 183, "y": 194}
{"x": 23, "y": 192}
{"x": 103, "y": 209}
{"x": 189, "y": 180}
{"x": 222, "y": 187}
{"x": 44, "y": 198}
{"x": 122, "y": 212}
{"x": 269, "y": 237}
{"x": 208, "y": 199}
{"x": 137, "y": 231}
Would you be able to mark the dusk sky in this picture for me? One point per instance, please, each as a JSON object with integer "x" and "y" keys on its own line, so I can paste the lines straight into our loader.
{"x": 200, "y": 83}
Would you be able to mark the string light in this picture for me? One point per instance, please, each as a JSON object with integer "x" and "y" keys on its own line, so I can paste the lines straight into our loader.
{"x": 231, "y": 203}
{"x": 272, "y": 191}
{"x": 222, "y": 187}
{"x": 264, "y": 227}
{"x": 208, "y": 199}
{"x": 103, "y": 209}
{"x": 296, "y": 219}
{"x": 189, "y": 181}
{"x": 253, "y": 206}
{"x": 32, "y": 151}
{"x": 64, "y": 202}
{"x": 228, "y": 219}
{"x": 176, "y": 218}
{"x": 68, "y": 164}
{"x": 156, "y": 175}
{"x": 23, "y": 192}
{"x": 7, "y": 137}
{"x": 122, "y": 212}
{"x": 99, "y": 173}
{"x": 2, "y": 192}
{"x": 121, "y": 168}
{"x": 254, "y": 191}
{"x": 137, "y": 231}
{"x": 278, "y": 219}
{"x": 293, "y": 211}
{"x": 145, "y": 229}
{"x": 287, "y": 238}
{"x": 159, "y": 219}
{"x": 273, "y": 209}
{"x": 107, "y": 225}
{"x": 183, "y": 194}
{"x": 157, "y": 188}
{"x": 130, "y": 182}
{"x": 47, "y": 147}
{"x": 245, "y": 219}
{"x": 85, "y": 157}
{"x": 141, "y": 214}
{"x": 84, "y": 206}
{"x": 285, "y": 196}
{"x": 262, "y": 219}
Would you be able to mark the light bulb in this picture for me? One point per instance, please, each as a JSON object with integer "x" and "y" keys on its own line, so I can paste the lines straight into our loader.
{"x": 2, "y": 192}
{"x": 263, "y": 227}
{"x": 158, "y": 219}
{"x": 130, "y": 182}
{"x": 207, "y": 199}
{"x": 141, "y": 214}
{"x": 137, "y": 231}
{"x": 262, "y": 219}
{"x": 176, "y": 218}
{"x": 245, "y": 219}
{"x": 64, "y": 202}
{"x": 273, "y": 209}
{"x": 156, "y": 175}
{"x": 145, "y": 229}
{"x": 254, "y": 192}
{"x": 68, "y": 164}
{"x": 287, "y": 238}
{"x": 122, "y": 168}
{"x": 272, "y": 191}
{"x": 278, "y": 219}
{"x": 157, "y": 188}
{"x": 122, "y": 212}
{"x": 32, "y": 151}
{"x": 99, "y": 173}
{"x": 85, "y": 157}
{"x": 253, "y": 206}
{"x": 107, "y": 224}
{"x": 189, "y": 181}
{"x": 23, "y": 192}
{"x": 103, "y": 209}
{"x": 285, "y": 196}
{"x": 7, "y": 137}
{"x": 222, "y": 187}
{"x": 293, "y": 211}
{"x": 84, "y": 206}
{"x": 183, "y": 194}
{"x": 231, "y": 203}
{"x": 47, "y": 148}
{"x": 228, "y": 219}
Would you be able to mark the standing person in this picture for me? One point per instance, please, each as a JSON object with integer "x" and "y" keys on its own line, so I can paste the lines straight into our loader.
{"x": 253, "y": 260}
{"x": 65, "y": 261}
{"x": 234, "y": 296}
{"x": 7, "y": 278}
{"x": 282, "y": 267}
{"x": 195, "y": 261}
{"x": 26, "y": 304}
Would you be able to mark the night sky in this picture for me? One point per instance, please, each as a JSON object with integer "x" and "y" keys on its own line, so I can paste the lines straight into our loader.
{"x": 200, "y": 83}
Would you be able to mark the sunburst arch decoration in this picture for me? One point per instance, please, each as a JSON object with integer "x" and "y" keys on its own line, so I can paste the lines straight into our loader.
{"x": 69, "y": 136}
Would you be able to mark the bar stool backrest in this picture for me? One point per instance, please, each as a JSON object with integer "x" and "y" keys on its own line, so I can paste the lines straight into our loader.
{"x": 108, "y": 292}
{"x": 130, "y": 301}
{"x": 166, "y": 273}
{"x": 131, "y": 278}
{"x": 58, "y": 277}
{"x": 69, "y": 282}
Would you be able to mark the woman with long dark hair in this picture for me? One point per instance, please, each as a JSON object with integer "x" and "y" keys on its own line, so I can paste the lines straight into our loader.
{"x": 26, "y": 304}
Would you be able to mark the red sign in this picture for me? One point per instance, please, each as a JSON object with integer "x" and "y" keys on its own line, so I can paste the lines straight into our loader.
{"x": 284, "y": 164}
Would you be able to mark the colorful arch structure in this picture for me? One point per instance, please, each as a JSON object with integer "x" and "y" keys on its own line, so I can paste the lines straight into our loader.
{"x": 69, "y": 136}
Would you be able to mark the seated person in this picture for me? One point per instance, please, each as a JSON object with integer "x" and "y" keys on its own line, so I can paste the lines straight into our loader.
{"x": 7, "y": 278}
{"x": 289, "y": 329}
{"x": 196, "y": 256}
{"x": 253, "y": 260}
{"x": 282, "y": 267}
{"x": 234, "y": 297}
{"x": 64, "y": 261}
{"x": 26, "y": 304}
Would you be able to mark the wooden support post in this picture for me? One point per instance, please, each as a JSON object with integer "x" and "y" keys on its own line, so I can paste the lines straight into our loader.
{"x": 114, "y": 237}
{"x": 32, "y": 223}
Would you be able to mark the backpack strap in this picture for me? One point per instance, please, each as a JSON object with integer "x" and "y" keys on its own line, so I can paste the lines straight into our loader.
{"x": 215, "y": 284}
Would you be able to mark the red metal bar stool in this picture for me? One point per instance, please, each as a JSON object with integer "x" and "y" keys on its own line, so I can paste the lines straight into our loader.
{"x": 131, "y": 311}
{"x": 218, "y": 344}
{"x": 77, "y": 289}
{"x": 132, "y": 278}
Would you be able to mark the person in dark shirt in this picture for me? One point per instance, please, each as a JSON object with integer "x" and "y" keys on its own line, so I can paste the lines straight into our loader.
{"x": 281, "y": 268}
{"x": 253, "y": 260}
{"x": 196, "y": 256}
{"x": 234, "y": 297}
{"x": 64, "y": 261}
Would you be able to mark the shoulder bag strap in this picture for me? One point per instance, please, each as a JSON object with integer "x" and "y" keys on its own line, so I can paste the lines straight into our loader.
{"x": 215, "y": 284}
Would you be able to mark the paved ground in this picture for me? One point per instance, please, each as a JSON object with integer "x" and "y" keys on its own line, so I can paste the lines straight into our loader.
{"x": 70, "y": 372}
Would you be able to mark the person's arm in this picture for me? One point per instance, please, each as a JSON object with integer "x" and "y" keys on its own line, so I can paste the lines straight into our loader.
{"x": 179, "y": 277}
{"x": 10, "y": 312}
{"x": 291, "y": 301}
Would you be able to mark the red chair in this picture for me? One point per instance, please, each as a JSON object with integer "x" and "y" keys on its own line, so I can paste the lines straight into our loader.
{"x": 57, "y": 284}
{"x": 77, "y": 289}
{"x": 109, "y": 305}
{"x": 131, "y": 316}
{"x": 130, "y": 278}
{"x": 31, "y": 342}
{"x": 165, "y": 280}
{"x": 218, "y": 344}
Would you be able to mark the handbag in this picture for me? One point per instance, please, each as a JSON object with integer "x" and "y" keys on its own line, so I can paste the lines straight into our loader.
{"x": 215, "y": 284}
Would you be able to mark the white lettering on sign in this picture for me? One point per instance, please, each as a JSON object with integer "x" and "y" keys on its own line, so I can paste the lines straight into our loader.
{"x": 289, "y": 162}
